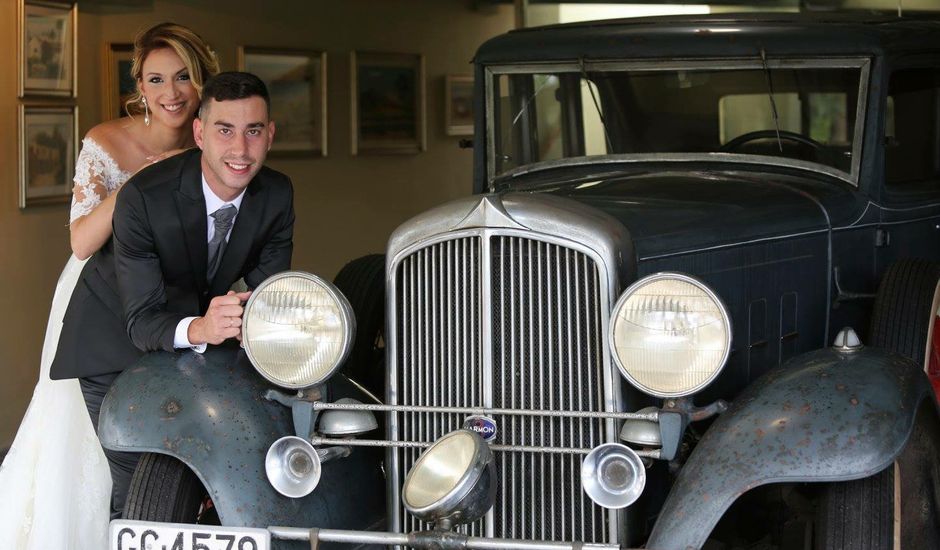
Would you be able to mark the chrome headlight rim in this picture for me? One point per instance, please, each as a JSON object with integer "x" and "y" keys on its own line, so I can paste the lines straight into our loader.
{"x": 659, "y": 276}
{"x": 346, "y": 313}
{"x": 449, "y": 505}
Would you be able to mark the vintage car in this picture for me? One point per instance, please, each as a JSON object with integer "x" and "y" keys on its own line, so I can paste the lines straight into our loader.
{"x": 691, "y": 303}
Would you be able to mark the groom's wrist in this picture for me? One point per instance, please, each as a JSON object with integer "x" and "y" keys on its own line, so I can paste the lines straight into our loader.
{"x": 190, "y": 332}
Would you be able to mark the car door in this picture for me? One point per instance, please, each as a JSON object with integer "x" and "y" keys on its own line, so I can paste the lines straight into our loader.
{"x": 910, "y": 204}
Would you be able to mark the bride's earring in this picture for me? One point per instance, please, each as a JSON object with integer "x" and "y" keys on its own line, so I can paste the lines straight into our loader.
{"x": 146, "y": 111}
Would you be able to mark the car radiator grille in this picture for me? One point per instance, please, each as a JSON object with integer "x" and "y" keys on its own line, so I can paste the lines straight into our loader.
{"x": 542, "y": 305}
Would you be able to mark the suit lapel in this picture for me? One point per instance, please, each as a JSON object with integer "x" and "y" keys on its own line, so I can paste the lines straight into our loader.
{"x": 191, "y": 205}
{"x": 240, "y": 241}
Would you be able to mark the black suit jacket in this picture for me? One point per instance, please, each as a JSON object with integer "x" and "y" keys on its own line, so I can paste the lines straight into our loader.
{"x": 152, "y": 273}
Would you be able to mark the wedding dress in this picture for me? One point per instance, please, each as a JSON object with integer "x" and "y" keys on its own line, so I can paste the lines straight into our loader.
{"x": 55, "y": 486}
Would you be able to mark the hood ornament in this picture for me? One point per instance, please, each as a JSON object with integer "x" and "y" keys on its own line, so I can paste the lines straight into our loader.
{"x": 489, "y": 212}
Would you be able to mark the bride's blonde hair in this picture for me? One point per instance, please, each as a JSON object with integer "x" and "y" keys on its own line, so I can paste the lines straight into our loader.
{"x": 199, "y": 60}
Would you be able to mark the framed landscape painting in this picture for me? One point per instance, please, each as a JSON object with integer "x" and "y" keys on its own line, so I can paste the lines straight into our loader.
{"x": 387, "y": 103}
{"x": 119, "y": 84}
{"x": 296, "y": 81}
{"x": 458, "y": 105}
{"x": 47, "y": 48}
{"x": 48, "y": 138}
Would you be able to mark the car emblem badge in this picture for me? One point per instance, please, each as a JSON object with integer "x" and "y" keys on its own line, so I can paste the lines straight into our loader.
{"x": 483, "y": 425}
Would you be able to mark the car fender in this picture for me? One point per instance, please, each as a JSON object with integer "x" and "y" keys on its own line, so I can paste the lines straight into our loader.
{"x": 208, "y": 411}
{"x": 823, "y": 416}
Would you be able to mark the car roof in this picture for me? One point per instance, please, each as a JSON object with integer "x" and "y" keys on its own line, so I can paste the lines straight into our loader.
{"x": 717, "y": 35}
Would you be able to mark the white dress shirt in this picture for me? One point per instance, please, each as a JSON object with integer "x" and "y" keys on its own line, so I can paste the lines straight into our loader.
{"x": 213, "y": 203}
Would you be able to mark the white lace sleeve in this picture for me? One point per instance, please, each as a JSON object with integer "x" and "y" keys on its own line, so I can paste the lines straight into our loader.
{"x": 96, "y": 176}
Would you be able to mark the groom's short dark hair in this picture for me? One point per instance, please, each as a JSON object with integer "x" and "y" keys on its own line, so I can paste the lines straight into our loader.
{"x": 232, "y": 85}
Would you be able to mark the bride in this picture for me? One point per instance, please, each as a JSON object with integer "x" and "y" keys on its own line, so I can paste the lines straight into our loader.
{"x": 55, "y": 478}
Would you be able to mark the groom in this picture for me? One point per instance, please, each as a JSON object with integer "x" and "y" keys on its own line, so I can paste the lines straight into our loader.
{"x": 185, "y": 230}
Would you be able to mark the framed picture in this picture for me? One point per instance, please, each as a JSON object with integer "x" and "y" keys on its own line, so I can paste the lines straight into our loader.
{"x": 119, "y": 84}
{"x": 48, "y": 138}
{"x": 387, "y": 103}
{"x": 296, "y": 81}
{"x": 458, "y": 105}
{"x": 47, "y": 48}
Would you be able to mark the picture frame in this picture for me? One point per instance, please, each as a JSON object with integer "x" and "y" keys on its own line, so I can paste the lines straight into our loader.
{"x": 48, "y": 149}
{"x": 47, "y": 48}
{"x": 119, "y": 84}
{"x": 458, "y": 105}
{"x": 387, "y": 104}
{"x": 296, "y": 82}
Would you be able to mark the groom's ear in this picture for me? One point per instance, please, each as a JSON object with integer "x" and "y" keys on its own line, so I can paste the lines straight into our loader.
{"x": 197, "y": 132}
{"x": 271, "y": 129}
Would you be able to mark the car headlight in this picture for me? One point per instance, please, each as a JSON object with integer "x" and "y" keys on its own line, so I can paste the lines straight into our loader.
{"x": 297, "y": 329}
{"x": 453, "y": 479}
{"x": 670, "y": 334}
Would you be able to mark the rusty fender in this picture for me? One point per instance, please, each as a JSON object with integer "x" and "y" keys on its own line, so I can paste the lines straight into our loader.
{"x": 822, "y": 416}
{"x": 208, "y": 411}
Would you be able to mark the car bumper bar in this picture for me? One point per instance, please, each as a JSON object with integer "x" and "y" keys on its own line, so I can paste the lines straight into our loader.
{"x": 427, "y": 540}
{"x": 323, "y": 441}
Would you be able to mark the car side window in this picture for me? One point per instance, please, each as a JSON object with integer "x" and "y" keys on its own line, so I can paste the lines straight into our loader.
{"x": 912, "y": 130}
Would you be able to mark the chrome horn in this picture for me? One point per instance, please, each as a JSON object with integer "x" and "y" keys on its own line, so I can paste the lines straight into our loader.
{"x": 613, "y": 475}
{"x": 293, "y": 466}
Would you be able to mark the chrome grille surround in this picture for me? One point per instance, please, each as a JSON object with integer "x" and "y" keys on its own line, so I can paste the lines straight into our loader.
{"x": 463, "y": 334}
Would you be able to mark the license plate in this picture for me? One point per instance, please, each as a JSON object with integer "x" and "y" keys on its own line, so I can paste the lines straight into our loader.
{"x": 147, "y": 535}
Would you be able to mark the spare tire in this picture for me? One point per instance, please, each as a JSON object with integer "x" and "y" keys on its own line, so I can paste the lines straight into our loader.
{"x": 905, "y": 314}
{"x": 362, "y": 281}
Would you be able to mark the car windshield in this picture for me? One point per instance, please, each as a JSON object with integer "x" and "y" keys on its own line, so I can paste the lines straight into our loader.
{"x": 793, "y": 112}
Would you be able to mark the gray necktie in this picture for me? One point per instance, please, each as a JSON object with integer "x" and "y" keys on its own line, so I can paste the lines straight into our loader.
{"x": 223, "y": 222}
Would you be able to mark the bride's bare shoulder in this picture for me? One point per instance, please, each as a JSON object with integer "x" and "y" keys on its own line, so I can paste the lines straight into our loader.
{"x": 118, "y": 138}
{"x": 113, "y": 135}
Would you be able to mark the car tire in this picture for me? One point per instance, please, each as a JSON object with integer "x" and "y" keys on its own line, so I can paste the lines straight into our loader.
{"x": 905, "y": 309}
{"x": 857, "y": 515}
{"x": 362, "y": 281}
{"x": 164, "y": 489}
{"x": 861, "y": 514}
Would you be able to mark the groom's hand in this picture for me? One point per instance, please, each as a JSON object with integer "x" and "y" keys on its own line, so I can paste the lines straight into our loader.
{"x": 223, "y": 320}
